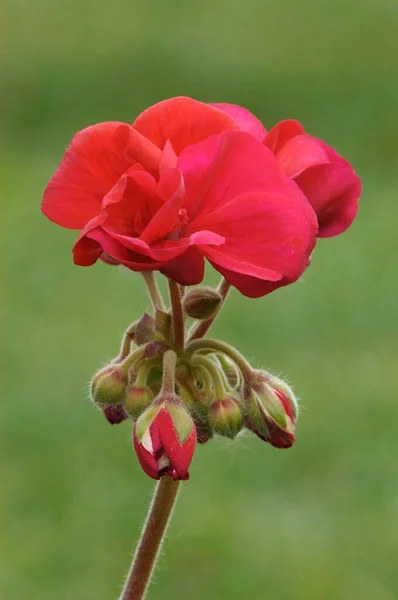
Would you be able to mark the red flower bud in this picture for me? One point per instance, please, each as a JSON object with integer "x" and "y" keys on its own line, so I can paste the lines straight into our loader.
{"x": 201, "y": 303}
{"x": 225, "y": 416}
{"x": 271, "y": 413}
{"x": 114, "y": 414}
{"x": 164, "y": 439}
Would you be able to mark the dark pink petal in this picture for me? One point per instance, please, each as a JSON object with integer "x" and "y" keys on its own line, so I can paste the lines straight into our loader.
{"x": 333, "y": 191}
{"x": 171, "y": 188}
{"x": 244, "y": 119}
{"x": 167, "y": 250}
{"x": 252, "y": 287}
{"x": 281, "y": 133}
{"x": 90, "y": 246}
{"x": 186, "y": 269}
{"x": 224, "y": 167}
{"x": 93, "y": 162}
{"x": 183, "y": 121}
{"x": 267, "y": 236}
{"x": 268, "y": 225}
{"x": 300, "y": 152}
{"x": 130, "y": 204}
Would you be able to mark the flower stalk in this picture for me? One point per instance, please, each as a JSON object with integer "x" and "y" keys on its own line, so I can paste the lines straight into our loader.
{"x": 153, "y": 290}
{"x": 178, "y": 325}
{"x": 152, "y": 537}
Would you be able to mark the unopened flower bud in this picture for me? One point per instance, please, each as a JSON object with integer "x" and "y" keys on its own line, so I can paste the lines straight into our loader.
{"x": 225, "y": 416}
{"x": 278, "y": 385}
{"x": 137, "y": 399}
{"x": 108, "y": 386}
{"x": 164, "y": 438}
{"x": 201, "y": 303}
{"x": 114, "y": 414}
{"x": 271, "y": 414}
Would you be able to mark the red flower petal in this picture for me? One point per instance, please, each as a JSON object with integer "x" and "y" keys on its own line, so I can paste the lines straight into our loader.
{"x": 281, "y": 133}
{"x": 224, "y": 167}
{"x": 300, "y": 152}
{"x": 179, "y": 455}
{"x": 171, "y": 186}
{"x": 252, "y": 287}
{"x": 186, "y": 269}
{"x": 90, "y": 246}
{"x": 268, "y": 225}
{"x": 91, "y": 165}
{"x": 244, "y": 119}
{"x": 94, "y": 161}
{"x": 147, "y": 458}
{"x": 183, "y": 121}
{"x": 333, "y": 191}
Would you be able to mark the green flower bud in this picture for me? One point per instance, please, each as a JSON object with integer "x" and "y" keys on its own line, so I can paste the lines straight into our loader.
{"x": 137, "y": 399}
{"x": 201, "y": 303}
{"x": 108, "y": 386}
{"x": 271, "y": 410}
{"x": 225, "y": 416}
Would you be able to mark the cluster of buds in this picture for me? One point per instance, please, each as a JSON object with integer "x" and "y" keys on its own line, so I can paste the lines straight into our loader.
{"x": 179, "y": 397}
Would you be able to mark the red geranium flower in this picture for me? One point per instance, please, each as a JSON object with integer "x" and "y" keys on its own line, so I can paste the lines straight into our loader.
{"x": 224, "y": 199}
{"x": 327, "y": 180}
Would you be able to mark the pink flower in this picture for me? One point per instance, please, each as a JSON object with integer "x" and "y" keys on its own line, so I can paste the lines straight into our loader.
{"x": 327, "y": 180}
{"x": 164, "y": 440}
{"x": 223, "y": 198}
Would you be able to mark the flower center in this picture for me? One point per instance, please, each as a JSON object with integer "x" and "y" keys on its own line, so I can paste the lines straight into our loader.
{"x": 178, "y": 230}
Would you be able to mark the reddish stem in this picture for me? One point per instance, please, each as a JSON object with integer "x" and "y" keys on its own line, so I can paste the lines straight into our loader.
{"x": 155, "y": 526}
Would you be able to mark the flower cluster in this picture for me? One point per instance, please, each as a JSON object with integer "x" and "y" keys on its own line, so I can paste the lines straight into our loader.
{"x": 190, "y": 181}
{"x": 177, "y": 399}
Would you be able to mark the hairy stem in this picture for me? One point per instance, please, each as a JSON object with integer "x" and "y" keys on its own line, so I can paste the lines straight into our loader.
{"x": 153, "y": 290}
{"x": 200, "y": 329}
{"x": 152, "y": 536}
{"x": 168, "y": 375}
{"x": 178, "y": 325}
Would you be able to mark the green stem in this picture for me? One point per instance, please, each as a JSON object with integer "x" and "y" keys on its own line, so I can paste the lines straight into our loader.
{"x": 152, "y": 537}
{"x": 218, "y": 378}
{"x": 200, "y": 329}
{"x": 210, "y": 344}
{"x": 168, "y": 372}
{"x": 178, "y": 325}
{"x": 153, "y": 290}
{"x": 131, "y": 359}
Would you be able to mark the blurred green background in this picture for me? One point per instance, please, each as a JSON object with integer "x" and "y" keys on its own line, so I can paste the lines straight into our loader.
{"x": 317, "y": 522}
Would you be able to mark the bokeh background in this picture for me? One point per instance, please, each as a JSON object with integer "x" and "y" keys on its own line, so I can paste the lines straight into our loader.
{"x": 317, "y": 522}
